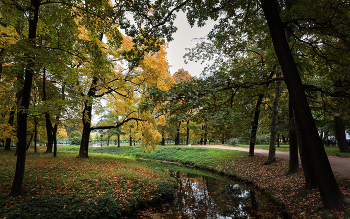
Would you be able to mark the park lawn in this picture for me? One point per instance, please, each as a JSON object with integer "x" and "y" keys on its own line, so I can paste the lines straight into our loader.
{"x": 330, "y": 150}
{"x": 101, "y": 186}
{"x": 287, "y": 190}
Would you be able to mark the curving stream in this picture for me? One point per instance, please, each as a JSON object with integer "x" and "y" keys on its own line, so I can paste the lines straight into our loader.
{"x": 202, "y": 194}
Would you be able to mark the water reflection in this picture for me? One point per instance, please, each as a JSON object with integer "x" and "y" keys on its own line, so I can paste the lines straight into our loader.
{"x": 208, "y": 197}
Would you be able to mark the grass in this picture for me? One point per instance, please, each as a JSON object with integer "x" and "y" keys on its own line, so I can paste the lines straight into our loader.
{"x": 112, "y": 182}
{"x": 102, "y": 186}
{"x": 330, "y": 150}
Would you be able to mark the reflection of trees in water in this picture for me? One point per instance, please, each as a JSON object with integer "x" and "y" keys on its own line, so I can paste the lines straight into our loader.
{"x": 206, "y": 197}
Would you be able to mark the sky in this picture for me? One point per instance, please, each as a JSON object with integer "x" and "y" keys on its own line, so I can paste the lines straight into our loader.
{"x": 185, "y": 37}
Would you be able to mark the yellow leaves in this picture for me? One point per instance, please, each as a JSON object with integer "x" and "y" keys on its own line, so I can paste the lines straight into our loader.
{"x": 162, "y": 121}
{"x": 8, "y": 36}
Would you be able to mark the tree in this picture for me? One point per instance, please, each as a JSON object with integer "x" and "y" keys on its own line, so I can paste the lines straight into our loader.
{"x": 310, "y": 143}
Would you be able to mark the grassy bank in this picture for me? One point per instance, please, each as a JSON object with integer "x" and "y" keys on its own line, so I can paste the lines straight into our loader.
{"x": 102, "y": 186}
{"x": 287, "y": 190}
{"x": 123, "y": 183}
{"x": 330, "y": 150}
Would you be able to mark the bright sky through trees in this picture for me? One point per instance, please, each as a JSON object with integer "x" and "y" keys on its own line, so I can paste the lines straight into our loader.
{"x": 186, "y": 37}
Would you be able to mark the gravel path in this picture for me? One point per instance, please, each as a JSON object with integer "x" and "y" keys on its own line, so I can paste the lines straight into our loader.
{"x": 340, "y": 165}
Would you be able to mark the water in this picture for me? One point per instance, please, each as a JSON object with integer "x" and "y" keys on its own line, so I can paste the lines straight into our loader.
{"x": 206, "y": 195}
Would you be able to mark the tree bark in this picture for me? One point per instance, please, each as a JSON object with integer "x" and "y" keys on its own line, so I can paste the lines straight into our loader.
{"x": 188, "y": 133}
{"x": 118, "y": 141}
{"x": 272, "y": 150}
{"x": 340, "y": 134}
{"x": 47, "y": 119}
{"x": 255, "y": 125}
{"x": 17, "y": 187}
{"x": 177, "y": 137}
{"x": 310, "y": 144}
{"x": 10, "y": 122}
{"x": 293, "y": 145}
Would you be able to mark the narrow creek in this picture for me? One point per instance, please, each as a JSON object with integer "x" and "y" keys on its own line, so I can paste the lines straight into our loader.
{"x": 202, "y": 194}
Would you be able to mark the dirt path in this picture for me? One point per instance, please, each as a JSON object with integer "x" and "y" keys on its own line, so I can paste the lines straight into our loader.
{"x": 340, "y": 165}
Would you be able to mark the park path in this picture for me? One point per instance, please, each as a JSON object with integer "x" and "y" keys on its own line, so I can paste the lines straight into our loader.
{"x": 340, "y": 165}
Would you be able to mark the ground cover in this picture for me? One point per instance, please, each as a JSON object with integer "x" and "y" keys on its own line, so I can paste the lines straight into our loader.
{"x": 288, "y": 190}
{"x": 102, "y": 186}
{"x": 330, "y": 150}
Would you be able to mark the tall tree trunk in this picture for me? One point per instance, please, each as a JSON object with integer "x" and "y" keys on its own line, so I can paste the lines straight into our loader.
{"x": 310, "y": 144}
{"x": 163, "y": 138}
{"x": 47, "y": 118}
{"x": 130, "y": 141}
{"x": 340, "y": 134}
{"x": 272, "y": 150}
{"x": 177, "y": 137}
{"x": 205, "y": 127}
{"x": 54, "y": 138}
{"x": 87, "y": 115}
{"x": 255, "y": 124}
{"x": 35, "y": 132}
{"x": 118, "y": 141}
{"x": 10, "y": 122}
{"x": 17, "y": 187}
{"x": 188, "y": 133}
{"x": 293, "y": 145}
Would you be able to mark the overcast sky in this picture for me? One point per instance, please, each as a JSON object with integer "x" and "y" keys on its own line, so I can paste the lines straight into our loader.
{"x": 185, "y": 37}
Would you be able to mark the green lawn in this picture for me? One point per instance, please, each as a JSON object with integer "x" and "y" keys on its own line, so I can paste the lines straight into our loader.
{"x": 112, "y": 182}
{"x": 330, "y": 150}
{"x": 101, "y": 186}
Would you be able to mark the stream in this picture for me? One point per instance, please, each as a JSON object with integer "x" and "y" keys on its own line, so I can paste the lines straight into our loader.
{"x": 202, "y": 194}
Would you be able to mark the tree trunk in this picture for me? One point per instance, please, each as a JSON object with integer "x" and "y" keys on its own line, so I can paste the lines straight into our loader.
{"x": 310, "y": 144}
{"x": 35, "y": 132}
{"x": 8, "y": 140}
{"x": 84, "y": 144}
{"x": 48, "y": 133}
{"x": 293, "y": 145}
{"x": 163, "y": 138}
{"x": 188, "y": 133}
{"x": 177, "y": 137}
{"x": 54, "y": 138}
{"x": 340, "y": 134}
{"x": 130, "y": 140}
{"x": 255, "y": 125}
{"x": 17, "y": 187}
{"x": 272, "y": 150}
{"x": 118, "y": 141}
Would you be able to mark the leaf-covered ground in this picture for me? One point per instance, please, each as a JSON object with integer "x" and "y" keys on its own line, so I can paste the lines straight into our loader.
{"x": 68, "y": 187}
{"x": 288, "y": 190}
{"x": 91, "y": 187}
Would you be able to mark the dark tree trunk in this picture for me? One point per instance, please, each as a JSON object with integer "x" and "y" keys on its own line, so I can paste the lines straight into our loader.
{"x": 284, "y": 139}
{"x": 118, "y": 141}
{"x": 340, "y": 134}
{"x": 310, "y": 144}
{"x": 47, "y": 119}
{"x": 130, "y": 141}
{"x": 17, "y": 187}
{"x": 177, "y": 137}
{"x": 255, "y": 125}
{"x": 272, "y": 150}
{"x": 84, "y": 144}
{"x": 163, "y": 138}
{"x": 8, "y": 140}
{"x": 188, "y": 133}
{"x": 54, "y": 138}
{"x": 35, "y": 132}
{"x": 29, "y": 141}
{"x": 205, "y": 127}
{"x": 293, "y": 145}
{"x": 48, "y": 133}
